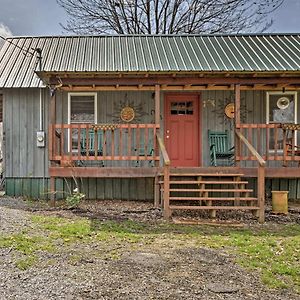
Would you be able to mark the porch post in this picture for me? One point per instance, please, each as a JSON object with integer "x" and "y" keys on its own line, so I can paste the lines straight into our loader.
{"x": 52, "y": 113}
{"x": 237, "y": 121}
{"x": 156, "y": 152}
{"x": 157, "y": 104}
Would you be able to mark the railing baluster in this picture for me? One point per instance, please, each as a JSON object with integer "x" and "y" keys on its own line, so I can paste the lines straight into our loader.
{"x": 138, "y": 143}
{"x": 112, "y": 145}
{"x": 78, "y": 142}
{"x": 62, "y": 142}
{"x": 121, "y": 154}
{"x": 129, "y": 142}
{"x": 146, "y": 142}
{"x": 104, "y": 145}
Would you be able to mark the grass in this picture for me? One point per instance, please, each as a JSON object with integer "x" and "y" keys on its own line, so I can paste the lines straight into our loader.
{"x": 272, "y": 251}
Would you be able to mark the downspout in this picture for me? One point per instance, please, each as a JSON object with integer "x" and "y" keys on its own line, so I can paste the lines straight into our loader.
{"x": 41, "y": 111}
{"x": 41, "y": 106}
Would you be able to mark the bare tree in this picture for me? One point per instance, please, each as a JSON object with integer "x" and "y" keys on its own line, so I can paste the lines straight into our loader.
{"x": 167, "y": 16}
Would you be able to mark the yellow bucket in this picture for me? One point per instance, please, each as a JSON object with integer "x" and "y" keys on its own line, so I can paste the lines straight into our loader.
{"x": 280, "y": 202}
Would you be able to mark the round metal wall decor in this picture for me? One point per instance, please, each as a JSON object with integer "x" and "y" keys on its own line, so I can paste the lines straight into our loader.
{"x": 229, "y": 110}
{"x": 127, "y": 114}
{"x": 283, "y": 102}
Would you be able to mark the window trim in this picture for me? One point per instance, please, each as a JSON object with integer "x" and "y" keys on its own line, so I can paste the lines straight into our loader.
{"x": 82, "y": 94}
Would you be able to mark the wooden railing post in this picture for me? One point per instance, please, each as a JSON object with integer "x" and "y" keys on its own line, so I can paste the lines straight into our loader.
{"x": 167, "y": 162}
{"x": 167, "y": 211}
{"x": 260, "y": 175}
{"x": 261, "y": 192}
{"x": 237, "y": 121}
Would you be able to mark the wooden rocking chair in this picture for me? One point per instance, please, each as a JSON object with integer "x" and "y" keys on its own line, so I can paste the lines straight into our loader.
{"x": 221, "y": 154}
{"x": 87, "y": 144}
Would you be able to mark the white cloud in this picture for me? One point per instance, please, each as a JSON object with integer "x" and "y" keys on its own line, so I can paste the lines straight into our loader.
{"x": 5, "y": 31}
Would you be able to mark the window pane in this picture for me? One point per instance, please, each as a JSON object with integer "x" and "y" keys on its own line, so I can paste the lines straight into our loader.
{"x": 82, "y": 109}
{"x": 282, "y": 108}
{"x": 182, "y": 108}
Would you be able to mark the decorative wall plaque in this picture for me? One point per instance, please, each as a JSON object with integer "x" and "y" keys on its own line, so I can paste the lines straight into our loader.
{"x": 229, "y": 110}
{"x": 127, "y": 114}
{"x": 127, "y": 111}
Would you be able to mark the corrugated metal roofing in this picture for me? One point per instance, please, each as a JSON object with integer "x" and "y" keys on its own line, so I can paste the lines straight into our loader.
{"x": 147, "y": 53}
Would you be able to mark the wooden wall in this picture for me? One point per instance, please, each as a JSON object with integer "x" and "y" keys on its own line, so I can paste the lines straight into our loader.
{"x": 21, "y": 122}
{"x": 93, "y": 188}
{"x": 25, "y": 161}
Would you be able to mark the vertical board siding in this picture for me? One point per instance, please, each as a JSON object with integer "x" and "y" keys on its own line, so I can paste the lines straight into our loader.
{"x": 93, "y": 188}
{"x": 21, "y": 118}
{"x": 119, "y": 188}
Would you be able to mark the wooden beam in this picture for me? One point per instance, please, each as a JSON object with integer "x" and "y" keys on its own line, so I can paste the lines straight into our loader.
{"x": 174, "y": 88}
{"x": 177, "y": 81}
{"x": 157, "y": 104}
{"x": 103, "y": 172}
{"x": 237, "y": 104}
{"x": 52, "y": 109}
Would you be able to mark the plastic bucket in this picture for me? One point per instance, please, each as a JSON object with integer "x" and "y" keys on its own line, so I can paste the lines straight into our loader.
{"x": 280, "y": 202}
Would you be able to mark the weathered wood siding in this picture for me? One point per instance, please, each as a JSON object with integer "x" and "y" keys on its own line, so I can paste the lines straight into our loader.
{"x": 93, "y": 188}
{"x": 26, "y": 165}
{"x": 22, "y": 157}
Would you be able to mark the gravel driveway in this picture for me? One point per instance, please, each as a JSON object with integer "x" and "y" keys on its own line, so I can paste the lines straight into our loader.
{"x": 155, "y": 271}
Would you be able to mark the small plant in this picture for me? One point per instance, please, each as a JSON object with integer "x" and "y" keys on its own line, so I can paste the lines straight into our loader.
{"x": 74, "y": 199}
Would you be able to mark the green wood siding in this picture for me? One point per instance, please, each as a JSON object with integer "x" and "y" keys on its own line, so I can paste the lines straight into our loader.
{"x": 93, "y": 188}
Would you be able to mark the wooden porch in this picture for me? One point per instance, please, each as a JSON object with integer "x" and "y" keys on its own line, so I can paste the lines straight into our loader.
{"x": 138, "y": 150}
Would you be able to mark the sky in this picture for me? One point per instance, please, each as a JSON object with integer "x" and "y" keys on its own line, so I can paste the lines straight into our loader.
{"x": 43, "y": 17}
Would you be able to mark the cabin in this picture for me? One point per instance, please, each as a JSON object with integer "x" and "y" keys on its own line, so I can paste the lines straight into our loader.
{"x": 192, "y": 122}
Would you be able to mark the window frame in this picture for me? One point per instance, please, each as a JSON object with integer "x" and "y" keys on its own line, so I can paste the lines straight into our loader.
{"x": 82, "y": 94}
{"x": 280, "y": 93}
{"x": 70, "y": 95}
{"x": 293, "y": 93}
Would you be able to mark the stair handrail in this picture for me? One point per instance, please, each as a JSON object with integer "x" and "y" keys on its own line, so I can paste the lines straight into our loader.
{"x": 253, "y": 151}
{"x": 163, "y": 150}
{"x": 260, "y": 175}
{"x": 166, "y": 167}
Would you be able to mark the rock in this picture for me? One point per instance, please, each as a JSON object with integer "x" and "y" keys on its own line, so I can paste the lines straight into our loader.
{"x": 220, "y": 288}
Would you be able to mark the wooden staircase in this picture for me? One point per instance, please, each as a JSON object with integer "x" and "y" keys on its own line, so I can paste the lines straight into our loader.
{"x": 213, "y": 191}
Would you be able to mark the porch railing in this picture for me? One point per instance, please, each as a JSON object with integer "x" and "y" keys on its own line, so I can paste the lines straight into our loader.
{"x": 260, "y": 174}
{"x": 117, "y": 142}
{"x": 269, "y": 140}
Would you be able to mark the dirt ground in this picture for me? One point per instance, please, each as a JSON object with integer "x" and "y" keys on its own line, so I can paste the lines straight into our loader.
{"x": 146, "y": 271}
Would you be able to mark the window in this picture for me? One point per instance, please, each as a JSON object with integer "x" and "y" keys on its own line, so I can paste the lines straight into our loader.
{"x": 82, "y": 108}
{"x": 182, "y": 108}
{"x": 281, "y": 108}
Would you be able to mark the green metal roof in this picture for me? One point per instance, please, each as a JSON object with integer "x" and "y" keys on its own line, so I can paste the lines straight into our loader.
{"x": 147, "y": 53}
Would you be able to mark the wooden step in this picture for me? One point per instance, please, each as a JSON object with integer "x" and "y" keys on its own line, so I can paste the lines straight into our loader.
{"x": 204, "y": 182}
{"x": 174, "y": 207}
{"x": 213, "y": 190}
{"x": 213, "y": 198}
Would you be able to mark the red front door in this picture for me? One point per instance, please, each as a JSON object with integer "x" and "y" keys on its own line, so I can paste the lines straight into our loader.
{"x": 182, "y": 129}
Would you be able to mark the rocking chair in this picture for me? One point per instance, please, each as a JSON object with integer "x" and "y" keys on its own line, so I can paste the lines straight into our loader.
{"x": 221, "y": 154}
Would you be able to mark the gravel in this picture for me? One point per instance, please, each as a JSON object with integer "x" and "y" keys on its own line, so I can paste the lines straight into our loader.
{"x": 153, "y": 272}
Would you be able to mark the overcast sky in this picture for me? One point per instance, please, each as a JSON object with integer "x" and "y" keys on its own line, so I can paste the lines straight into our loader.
{"x": 42, "y": 17}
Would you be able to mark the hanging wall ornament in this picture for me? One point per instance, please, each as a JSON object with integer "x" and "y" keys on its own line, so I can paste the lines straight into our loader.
{"x": 225, "y": 111}
{"x": 126, "y": 111}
